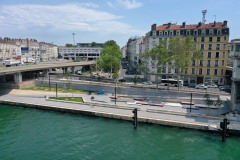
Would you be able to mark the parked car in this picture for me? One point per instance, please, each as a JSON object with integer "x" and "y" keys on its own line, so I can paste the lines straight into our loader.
{"x": 122, "y": 80}
{"x": 192, "y": 85}
{"x": 226, "y": 88}
{"x": 212, "y": 86}
{"x": 201, "y": 86}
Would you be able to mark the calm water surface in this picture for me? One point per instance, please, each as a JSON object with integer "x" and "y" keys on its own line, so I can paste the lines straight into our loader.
{"x": 28, "y": 134}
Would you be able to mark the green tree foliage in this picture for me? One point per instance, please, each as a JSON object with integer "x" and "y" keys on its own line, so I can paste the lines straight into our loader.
{"x": 69, "y": 45}
{"x": 159, "y": 57}
{"x": 218, "y": 103}
{"x": 110, "y": 59}
{"x": 207, "y": 101}
{"x": 182, "y": 49}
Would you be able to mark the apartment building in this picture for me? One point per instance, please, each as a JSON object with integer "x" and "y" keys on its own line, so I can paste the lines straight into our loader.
{"x": 134, "y": 49}
{"x": 211, "y": 38}
{"x": 15, "y": 48}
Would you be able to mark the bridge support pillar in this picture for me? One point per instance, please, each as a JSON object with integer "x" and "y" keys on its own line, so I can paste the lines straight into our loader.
{"x": 72, "y": 70}
{"x": 18, "y": 78}
{"x": 46, "y": 73}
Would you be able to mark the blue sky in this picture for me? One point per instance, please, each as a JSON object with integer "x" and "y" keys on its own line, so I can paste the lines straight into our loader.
{"x": 102, "y": 20}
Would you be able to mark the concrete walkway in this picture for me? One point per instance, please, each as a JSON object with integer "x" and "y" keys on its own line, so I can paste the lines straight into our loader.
{"x": 172, "y": 114}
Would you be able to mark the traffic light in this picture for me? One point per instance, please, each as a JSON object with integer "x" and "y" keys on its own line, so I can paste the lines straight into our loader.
{"x": 135, "y": 118}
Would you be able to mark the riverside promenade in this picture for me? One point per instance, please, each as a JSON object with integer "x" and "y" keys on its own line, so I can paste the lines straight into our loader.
{"x": 169, "y": 114}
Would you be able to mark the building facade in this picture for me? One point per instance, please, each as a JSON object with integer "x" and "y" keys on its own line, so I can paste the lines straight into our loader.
{"x": 235, "y": 92}
{"x": 15, "y": 48}
{"x": 89, "y": 53}
{"x": 211, "y": 38}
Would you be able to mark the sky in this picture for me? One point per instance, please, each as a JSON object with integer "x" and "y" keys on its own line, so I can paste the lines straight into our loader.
{"x": 55, "y": 21}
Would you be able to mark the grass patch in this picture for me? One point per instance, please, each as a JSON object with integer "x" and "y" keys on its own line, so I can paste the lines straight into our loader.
{"x": 70, "y": 99}
{"x": 37, "y": 88}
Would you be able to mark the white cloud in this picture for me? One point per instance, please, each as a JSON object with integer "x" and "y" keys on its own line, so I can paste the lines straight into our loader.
{"x": 65, "y": 17}
{"x": 127, "y": 4}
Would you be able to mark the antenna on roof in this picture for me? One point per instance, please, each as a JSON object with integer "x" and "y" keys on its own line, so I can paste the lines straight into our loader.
{"x": 214, "y": 17}
{"x": 203, "y": 16}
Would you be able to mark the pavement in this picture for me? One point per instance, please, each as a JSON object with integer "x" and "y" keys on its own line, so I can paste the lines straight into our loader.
{"x": 102, "y": 103}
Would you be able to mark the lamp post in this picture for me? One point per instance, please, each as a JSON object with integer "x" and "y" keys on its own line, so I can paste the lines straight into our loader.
{"x": 75, "y": 57}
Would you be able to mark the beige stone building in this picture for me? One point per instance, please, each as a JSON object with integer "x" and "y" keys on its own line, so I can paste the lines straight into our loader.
{"x": 212, "y": 38}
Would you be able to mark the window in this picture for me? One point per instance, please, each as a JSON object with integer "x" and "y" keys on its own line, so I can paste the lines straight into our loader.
{"x": 202, "y": 39}
{"x": 218, "y": 39}
{"x": 224, "y": 46}
{"x": 225, "y": 38}
{"x": 195, "y": 32}
{"x": 202, "y": 46}
{"x": 193, "y": 70}
{"x": 209, "y": 54}
{"x": 222, "y": 71}
{"x": 178, "y": 33}
{"x": 208, "y": 71}
{"x": 160, "y": 33}
{"x": 186, "y": 70}
{"x": 202, "y": 54}
{"x": 203, "y": 32}
{"x": 223, "y": 55}
{"x": 217, "y": 46}
{"x": 201, "y": 63}
{"x": 216, "y": 63}
{"x": 200, "y": 70}
{"x": 188, "y": 32}
{"x": 237, "y": 48}
{"x": 165, "y": 33}
{"x": 210, "y": 46}
{"x": 209, "y": 63}
{"x": 217, "y": 55}
{"x": 210, "y": 39}
{"x": 193, "y": 63}
{"x": 222, "y": 62}
{"x": 219, "y": 31}
{"x": 170, "y": 33}
{"x": 211, "y": 31}
{"x": 215, "y": 71}
{"x": 195, "y": 39}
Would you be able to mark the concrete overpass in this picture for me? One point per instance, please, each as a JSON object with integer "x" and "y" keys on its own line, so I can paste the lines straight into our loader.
{"x": 19, "y": 70}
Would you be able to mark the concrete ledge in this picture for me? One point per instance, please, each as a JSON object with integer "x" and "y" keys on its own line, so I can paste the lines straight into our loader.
{"x": 149, "y": 120}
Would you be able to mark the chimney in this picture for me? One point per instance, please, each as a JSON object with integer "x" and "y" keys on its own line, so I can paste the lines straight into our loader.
{"x": 169, "y": 25}
{"x": 224, "y": 23}
{"x": 183, "y": 25}
{"x": 214, "y": 23}
{"x": 154, "y": 26}
{"x": 199, "y": 24}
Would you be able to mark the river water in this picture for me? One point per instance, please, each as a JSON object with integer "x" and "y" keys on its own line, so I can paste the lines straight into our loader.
{"x": 29, "y": 134}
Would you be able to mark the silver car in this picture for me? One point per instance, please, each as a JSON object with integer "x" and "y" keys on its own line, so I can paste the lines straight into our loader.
{"x": 201, "y": 86}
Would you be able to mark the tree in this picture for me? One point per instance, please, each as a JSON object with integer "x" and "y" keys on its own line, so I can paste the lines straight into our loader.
{"x": 159, "y": 57}
{"x": 218, "y": 103}
{"x": 69, "y": 45}
{"x": 181, "y": 49}
{"x": 110, "y": 59}
{"x": 207, "y": 101}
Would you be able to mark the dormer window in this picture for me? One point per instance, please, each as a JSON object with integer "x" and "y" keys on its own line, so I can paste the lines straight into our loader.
{"x": 203, "y": 32}
{"x": 188, "y": 32}
{"x": 165, "y": 33}
{"x": 160, "y": 33}
{"x": 219, "y": 31}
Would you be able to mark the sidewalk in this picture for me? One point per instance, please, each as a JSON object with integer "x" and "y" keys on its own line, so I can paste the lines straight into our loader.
{"x": 170, "y": 114}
